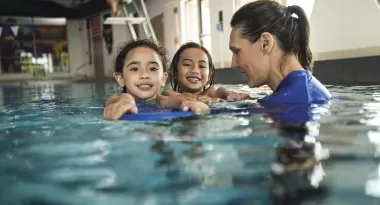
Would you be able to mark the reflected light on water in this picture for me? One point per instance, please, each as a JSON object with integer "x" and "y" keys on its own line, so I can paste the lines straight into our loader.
{"x": 45, "y": 93}
{"x": 317, "y": 175}
{"x": 109, "y": 178}
{"x": 374, "y": 138}
{"x": 372, "y": 114}
{"x": 371, "y": 110}
{"x": 372, "y": 186}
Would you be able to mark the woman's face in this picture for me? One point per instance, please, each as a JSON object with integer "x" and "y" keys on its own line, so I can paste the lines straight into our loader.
{"x": 251, "y": 59}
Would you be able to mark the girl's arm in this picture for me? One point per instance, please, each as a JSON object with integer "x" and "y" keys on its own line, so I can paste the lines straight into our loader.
{"x": 200, "y": 97}
{"x": 220, "y": 92}
{"x": 112, "y": 99}
{"x": 183, "y": 103}
{"x": 226, "y": 94}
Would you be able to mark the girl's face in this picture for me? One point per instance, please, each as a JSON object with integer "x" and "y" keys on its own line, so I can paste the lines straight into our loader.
{"x": 143, "y": 74}
{"x": 193, "y": 70}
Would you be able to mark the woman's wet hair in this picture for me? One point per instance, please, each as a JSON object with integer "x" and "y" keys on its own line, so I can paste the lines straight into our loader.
{"x": 124, "y": 48}
{"x": 173, "y": 68}
{"x": 292, "y": 33}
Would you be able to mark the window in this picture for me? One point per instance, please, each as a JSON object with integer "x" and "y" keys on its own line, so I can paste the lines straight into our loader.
{"x": 240, "y": 3}
{"x": 206, "y": 25}
{"x": 191, "y": 22}
{"x": 190, "y": 26}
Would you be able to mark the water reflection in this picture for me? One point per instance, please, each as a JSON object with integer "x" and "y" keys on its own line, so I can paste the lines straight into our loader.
{"x": 294, "y": 171}
{"x": 298, "y": 168}
{"x": 371, "y": 117}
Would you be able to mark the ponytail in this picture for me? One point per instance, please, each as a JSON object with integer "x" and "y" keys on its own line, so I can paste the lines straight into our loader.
{"x": 302, "y": 51}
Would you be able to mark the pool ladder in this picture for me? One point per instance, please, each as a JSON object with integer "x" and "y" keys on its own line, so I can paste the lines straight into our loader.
{"x": 130, "y": 20}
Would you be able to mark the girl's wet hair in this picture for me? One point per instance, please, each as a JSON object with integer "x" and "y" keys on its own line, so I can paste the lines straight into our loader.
{"x": 124, "y": 48}
{"x": 174, "y": 65}
{"x": 292, "y": 33}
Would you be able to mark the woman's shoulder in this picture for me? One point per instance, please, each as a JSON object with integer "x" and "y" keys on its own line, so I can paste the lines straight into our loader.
{"x": 299, "y": 87}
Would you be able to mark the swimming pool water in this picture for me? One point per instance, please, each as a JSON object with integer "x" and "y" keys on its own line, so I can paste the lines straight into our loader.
{"x": 55, "y": 149}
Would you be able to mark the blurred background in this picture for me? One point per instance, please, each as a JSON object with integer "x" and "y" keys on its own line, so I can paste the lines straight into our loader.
{"x": 67, "y": 40}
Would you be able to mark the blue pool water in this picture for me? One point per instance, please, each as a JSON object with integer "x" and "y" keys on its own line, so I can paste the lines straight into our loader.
{"x": 55, "y": 149}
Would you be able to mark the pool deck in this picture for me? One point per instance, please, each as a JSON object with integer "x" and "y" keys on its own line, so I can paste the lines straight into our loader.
{"x": 344, "y": 71}
{"x": 36, "y": 81}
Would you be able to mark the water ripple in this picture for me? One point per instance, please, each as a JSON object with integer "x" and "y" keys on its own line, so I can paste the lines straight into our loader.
{"x": 55, "y": 148}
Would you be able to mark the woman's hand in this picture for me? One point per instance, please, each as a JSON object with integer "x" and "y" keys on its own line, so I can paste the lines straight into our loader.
{"x": 195, "y": 106}
{"x": 123, "y": 104}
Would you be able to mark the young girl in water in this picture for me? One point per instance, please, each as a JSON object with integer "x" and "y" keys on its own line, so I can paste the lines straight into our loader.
{"x": 140, "y": 71}
{"x": 192, "y": 73}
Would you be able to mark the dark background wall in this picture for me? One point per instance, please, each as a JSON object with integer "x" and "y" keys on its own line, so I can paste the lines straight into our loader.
{"x": 352, "y": 71}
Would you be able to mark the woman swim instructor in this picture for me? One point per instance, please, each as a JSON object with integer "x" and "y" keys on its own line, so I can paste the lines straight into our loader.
{"x": 271, "y": 46}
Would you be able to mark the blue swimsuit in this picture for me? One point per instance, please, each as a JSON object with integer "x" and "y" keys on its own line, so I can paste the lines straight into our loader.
{"x": 297, "y": 95}
{"x": 298, "y": 87}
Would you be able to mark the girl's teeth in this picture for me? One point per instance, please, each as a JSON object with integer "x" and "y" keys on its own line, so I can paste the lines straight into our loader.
{"x": 144, "y": 86}
{"x": 193, "y": 79}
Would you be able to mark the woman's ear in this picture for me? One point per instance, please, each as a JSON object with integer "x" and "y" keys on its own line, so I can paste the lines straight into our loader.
{"x": 266, "y": 42}
{"x": 119, "y": 78}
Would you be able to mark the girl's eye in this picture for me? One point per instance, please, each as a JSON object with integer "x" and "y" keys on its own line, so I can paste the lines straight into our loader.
{"x": 153, "y": 69}
{"x": 203, "y": 66}
{"x": 134, "y": 69}
{"x": 186, "y": 64}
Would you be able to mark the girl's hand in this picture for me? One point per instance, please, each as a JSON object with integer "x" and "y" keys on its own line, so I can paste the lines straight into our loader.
{"x": 125, "y": 103}
{"x": 209, "y": 100}
{"x": 196, "y": 106}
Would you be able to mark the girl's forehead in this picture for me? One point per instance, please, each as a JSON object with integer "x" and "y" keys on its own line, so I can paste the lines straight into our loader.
{"x": 194, "y": 53}
{"x": 142, "y": 54}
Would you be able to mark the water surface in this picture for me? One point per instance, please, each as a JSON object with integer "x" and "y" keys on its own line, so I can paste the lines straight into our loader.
{"x": 55, "y": 149}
